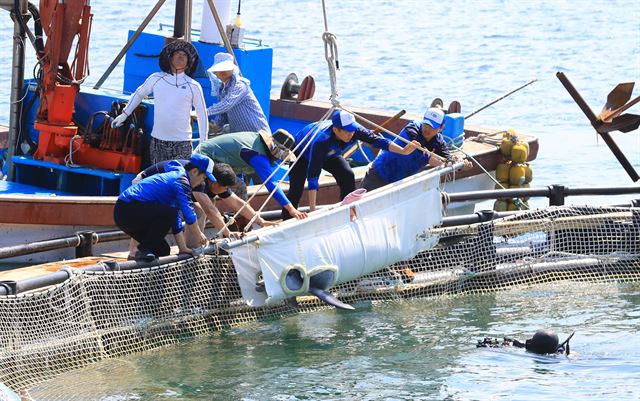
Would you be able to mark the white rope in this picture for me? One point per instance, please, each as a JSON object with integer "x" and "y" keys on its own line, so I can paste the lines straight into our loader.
{"x": 311, "y": 134}
{"x": 331, "y": 55}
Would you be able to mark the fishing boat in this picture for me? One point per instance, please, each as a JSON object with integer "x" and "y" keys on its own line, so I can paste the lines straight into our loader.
{"x": 44, "y": 196}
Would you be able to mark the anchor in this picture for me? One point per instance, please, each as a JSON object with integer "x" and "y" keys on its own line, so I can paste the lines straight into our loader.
{"x": 611, "y": 117}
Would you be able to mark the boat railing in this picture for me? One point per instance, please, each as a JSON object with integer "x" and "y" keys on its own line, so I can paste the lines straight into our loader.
{"x": 246, "y": 39}
{"x": 86, "y": 238}
{"x": 83, "y": 241}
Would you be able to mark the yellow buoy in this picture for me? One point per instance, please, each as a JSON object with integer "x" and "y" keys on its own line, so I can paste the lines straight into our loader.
{"x": 502, "y": 185}
{"x": 520, "y": 152}
{"x": 511, "y": 206}
{"x": 528, "y": 173}
{"x": 516, "y": 174}
{"x": 525, "y": 185}
{"x": 502, "y": 171}
{"x": 506, "y": 145}
{"x": 500, "y": 205}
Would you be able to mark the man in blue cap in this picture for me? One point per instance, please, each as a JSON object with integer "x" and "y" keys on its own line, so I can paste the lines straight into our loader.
{"x": 390, "y": 167}
{"x": 147, "y": 210}
{"x": 326, "y": 141}
{"x": 205, "y": 198}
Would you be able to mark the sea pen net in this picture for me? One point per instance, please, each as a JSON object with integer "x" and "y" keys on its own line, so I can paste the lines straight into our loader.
{"x": 100, "y": 315}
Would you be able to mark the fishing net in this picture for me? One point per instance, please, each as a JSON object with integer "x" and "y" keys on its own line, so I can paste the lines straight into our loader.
{"x": 99, "y": 315}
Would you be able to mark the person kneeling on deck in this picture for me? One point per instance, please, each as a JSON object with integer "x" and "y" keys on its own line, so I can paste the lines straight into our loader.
{"x": 390, "y": 167}
{"x": 326, "y": 141}
{"x": 254, "y": 152}
{"x": 147, "y": 210}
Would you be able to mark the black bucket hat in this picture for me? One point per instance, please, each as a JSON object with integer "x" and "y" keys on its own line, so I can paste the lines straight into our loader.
{"x": 169, "y": 49}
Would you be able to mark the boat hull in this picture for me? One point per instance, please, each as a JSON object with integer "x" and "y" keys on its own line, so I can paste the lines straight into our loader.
{"x": 33, "y": 217}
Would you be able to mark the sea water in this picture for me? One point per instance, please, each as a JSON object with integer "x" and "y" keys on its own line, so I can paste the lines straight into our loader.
{"x": 419, "y": 349}
{"x": 400, "y": 55}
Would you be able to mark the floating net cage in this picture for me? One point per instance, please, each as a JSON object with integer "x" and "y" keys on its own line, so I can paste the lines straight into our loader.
{"x": 99, "y": 315}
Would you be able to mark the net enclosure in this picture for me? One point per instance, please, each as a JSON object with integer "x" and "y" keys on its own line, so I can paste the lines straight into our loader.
{"x": 99, "y": 315}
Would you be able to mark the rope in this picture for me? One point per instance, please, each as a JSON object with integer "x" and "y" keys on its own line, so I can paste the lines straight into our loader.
{"x": 331, "y": 55}
{"x": 516, "y": 201}
{"x": 446, "y": 200}
{"x": 311, "y": 134}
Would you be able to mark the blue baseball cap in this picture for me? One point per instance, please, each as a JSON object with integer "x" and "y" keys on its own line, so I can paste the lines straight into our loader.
{"x": 345, "y": 120}
{"x": 203, "y": 163}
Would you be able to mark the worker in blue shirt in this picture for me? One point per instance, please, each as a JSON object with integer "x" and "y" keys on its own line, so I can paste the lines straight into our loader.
{"x": 207, "y": 194}
{"x": 390, "y": 167}
{"x": 205, "y": 198}
{"x": 147, "y": 210}
{"x": 327, "y": 141}
{"x": 254, "y": 153}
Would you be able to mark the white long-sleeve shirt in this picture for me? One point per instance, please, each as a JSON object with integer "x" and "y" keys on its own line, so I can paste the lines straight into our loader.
{"x": 174, "y": 97}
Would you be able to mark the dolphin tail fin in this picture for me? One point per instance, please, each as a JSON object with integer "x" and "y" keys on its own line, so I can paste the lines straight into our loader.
{"x": 328, "y": 298}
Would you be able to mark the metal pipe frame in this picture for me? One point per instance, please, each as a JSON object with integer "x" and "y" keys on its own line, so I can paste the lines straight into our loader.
{"x": 17, "y": 82}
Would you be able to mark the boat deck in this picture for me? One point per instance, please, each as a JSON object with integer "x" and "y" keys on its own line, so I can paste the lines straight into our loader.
{"x": 11, "y": 187}
{"x": 26, "y": 272}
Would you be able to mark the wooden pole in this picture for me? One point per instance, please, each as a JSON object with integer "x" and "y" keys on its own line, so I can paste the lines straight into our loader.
{"x": 385, "y": 123}
{"x": 129, "y": 44}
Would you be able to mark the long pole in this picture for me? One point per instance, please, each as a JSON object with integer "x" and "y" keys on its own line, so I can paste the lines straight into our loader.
{"x": 500, "y": 98}
{"x": 384, "y": 124}
{"x": 17, "y": 82}
{"x": 187, "y": 21}
{"x": 396, "y": 136}
{"x": 179, "y": 20}
{"x": 129, "y": 44}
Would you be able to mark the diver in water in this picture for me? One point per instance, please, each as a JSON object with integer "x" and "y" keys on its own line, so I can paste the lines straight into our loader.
{"x": 543, "y": 342}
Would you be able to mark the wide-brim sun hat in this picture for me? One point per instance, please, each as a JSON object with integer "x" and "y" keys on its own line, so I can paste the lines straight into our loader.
{"x": 280, "y": 144}
{"x": 222, "y": 62}
{"x": 179, "y": 45}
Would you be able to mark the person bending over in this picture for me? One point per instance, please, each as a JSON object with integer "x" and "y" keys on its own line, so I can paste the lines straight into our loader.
{"x": 327, "y": 141}
{"x": 254, "y": 153}
{"x": 147, "y": 210}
